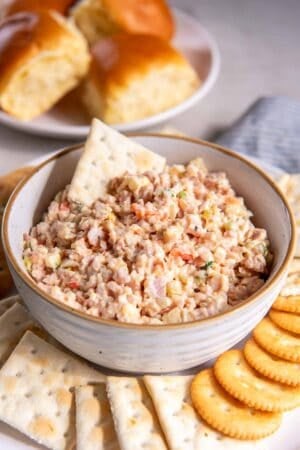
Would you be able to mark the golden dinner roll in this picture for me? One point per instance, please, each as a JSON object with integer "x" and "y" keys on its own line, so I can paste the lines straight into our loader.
{"x": 42, "y": 56}
{"x": 135, "y": 76}
{"x": 100, "y": 18}
{"x": 9, "y": 7}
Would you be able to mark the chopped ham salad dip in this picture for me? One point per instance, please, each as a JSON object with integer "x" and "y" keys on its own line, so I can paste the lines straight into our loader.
{"x": 159, "y": 248}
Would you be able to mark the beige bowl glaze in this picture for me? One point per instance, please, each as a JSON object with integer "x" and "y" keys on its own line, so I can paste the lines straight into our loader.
{"x": 139, "y": 348}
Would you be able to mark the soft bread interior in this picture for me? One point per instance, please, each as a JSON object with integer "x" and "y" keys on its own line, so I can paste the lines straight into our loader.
{"x": 40, "y": 80}
{"x": 144, "y": 95}
{"x": 38, "y": 85}
{"x": 93, "y": 20}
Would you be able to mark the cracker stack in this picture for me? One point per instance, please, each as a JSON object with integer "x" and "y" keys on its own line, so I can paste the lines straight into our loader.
{"x": 256, "y": 385}
{"x": 58, "y": 400}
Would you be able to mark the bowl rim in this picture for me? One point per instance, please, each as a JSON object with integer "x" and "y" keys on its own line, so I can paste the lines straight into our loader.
{"x": 269, "y": 284}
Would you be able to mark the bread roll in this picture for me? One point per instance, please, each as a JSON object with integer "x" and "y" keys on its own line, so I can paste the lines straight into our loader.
{"x": 135, "y": 76}
{"x": 9, "y": 7}
{"x": 42, "y": 56}
{"x": 100, "y": 18}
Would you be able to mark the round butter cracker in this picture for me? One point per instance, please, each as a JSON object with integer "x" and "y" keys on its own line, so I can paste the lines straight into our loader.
{"x": 239, "y": 379}
{"x": 275, "y": 340}
{"x": 270, "y": 366}
{"x": 287, "y": 321}
{"x": 290, "y": 304}
{"x": 227, "y": 415}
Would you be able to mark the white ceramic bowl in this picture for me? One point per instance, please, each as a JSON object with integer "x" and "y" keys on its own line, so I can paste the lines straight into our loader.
{"x": 139, "y": 348}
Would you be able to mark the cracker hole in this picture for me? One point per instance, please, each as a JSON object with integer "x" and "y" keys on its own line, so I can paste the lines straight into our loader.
{"x": 100, "y": 352}
{"x": 66, "y": 434}
{"x": 42, "y": 372}
{"x": 252, "y": 412}
{"x": 33, "y": 351}
{"x": 50, "y": 393}
{"x": 17, "y": 323}
{"x": 227, "y": 409}
{"x": 64, "y": 370}
{"x": 187, "y": 440}
{"x": 3, "y": 397}
{"x": 212, "y": 395}
{"x": 57, "y": 414}
{"x": 28, "y": 395}
{"x": 18, "y": 374}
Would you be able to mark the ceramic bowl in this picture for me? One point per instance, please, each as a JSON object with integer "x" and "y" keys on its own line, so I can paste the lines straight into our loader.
{"x": 139, "y": 348}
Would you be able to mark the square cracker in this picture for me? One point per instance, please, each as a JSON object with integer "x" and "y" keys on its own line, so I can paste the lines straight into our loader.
{"x": 108, "y": 154}
{"x": 290, "y": 185}
{"x": 6, "y": 303}
{"x": 291, "y": 285}
{"x": 183, "y": 428}
{"x": 35, "y": 391}
{"x": 134, "y": 416}
{"x": 13, "y": 323}
{"x": 94, "y": 423}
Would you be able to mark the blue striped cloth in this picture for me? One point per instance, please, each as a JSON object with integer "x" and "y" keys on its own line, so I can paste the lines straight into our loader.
{"x": 270, "y": 131}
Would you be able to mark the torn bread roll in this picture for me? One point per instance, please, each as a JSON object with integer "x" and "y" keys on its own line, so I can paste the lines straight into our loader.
{"x": 42, "y": 57}
{"x": 101, "y": 18}
{"x": 9, "y": 7}
{"x": 135, "y": 76}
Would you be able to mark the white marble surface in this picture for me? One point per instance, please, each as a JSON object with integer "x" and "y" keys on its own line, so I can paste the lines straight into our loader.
{"x": 259, "y": 43}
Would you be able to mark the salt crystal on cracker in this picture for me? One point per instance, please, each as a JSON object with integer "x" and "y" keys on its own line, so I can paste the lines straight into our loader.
{"x": 94, "y": 423}
{"x": 183, "y": 428}
{"x": 134, "y": 416}
{"x": 13, "y": 323}
{"x": 36, "y": 394}
{"x": 108, "y": 154}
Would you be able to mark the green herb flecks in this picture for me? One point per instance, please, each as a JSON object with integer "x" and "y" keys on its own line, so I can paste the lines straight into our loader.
{"x": 207, "y": 265}
{"x": 181, "y": 194}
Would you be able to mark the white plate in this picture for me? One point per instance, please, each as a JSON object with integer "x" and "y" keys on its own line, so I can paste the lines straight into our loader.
{"x": 68, "y": 120}
{"x": 286, "y": 438}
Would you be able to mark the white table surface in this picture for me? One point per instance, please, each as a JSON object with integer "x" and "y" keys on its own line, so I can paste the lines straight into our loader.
{"x": 259, "y": 43}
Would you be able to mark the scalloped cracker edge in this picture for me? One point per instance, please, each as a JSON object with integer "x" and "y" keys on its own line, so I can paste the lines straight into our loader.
{"x": 241, "y": 381}
{"x": 227, "y": 415}
{"x": 182, "y": 426}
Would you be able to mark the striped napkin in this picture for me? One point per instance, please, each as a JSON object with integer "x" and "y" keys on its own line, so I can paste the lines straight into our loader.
{"x": 269, "y": 131}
